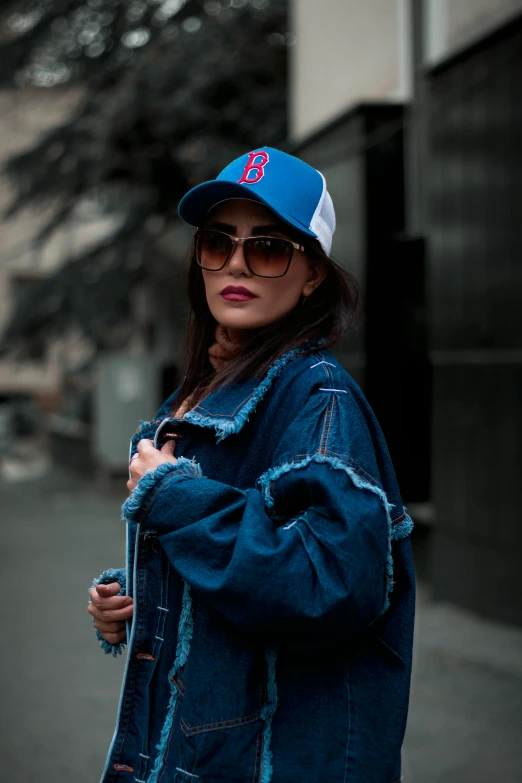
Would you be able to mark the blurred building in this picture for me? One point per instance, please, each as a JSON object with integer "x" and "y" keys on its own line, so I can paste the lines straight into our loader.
{"x": 25, "y": 114}
{"x": 87, "y": 403}
{"x": 411, "y": 109}
{"x": 53, "y": 380}
{"x": 22, "y": 118}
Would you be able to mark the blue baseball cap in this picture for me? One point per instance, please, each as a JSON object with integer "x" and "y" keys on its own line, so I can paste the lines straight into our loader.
{"x": 291, "y": 188}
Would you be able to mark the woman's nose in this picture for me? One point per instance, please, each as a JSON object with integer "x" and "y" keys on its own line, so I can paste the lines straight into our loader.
{"x": 236, "y": 263}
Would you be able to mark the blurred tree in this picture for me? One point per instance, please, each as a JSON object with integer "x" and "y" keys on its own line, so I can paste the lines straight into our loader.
{"x": 171, "y": 90}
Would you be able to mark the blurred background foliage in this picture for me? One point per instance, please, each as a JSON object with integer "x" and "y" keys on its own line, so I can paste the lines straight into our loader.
{"x": 165, "y": 94}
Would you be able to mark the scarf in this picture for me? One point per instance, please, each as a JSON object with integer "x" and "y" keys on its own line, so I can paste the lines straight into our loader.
{"x": 223, "y": 349}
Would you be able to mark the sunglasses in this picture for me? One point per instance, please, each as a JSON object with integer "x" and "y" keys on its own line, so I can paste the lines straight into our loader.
{"x": 264, "y": 256}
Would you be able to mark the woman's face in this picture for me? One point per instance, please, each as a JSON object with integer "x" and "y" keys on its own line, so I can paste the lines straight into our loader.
{"x": 268, "y": 299}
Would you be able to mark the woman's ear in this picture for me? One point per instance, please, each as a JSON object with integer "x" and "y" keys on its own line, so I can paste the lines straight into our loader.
{"x": 316, "y": 276}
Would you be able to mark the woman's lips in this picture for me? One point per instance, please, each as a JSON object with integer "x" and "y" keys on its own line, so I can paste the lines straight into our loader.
{"x": 237, "y": 294}
{"x": 237, "y": 297}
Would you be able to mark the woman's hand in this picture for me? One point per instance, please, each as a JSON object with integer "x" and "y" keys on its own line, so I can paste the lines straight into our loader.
{"x": 110, "y": 611}
{"x": 148, "y": 458}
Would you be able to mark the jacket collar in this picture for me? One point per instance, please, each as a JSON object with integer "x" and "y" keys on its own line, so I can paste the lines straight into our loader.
{"x": 228, "y": 409}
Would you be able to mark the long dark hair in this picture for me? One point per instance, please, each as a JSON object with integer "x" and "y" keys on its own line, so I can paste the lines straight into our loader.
{"x": 325, "y": 316}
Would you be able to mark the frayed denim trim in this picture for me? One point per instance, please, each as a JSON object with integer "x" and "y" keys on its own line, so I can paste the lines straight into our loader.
{"x": 403, "y": 530}
{"x": 273, "y": 474}
{"x": 267, "y": 714}
{"x": 109, "y": 576}
{"x": 132, "y": 505}
{"x": 236, "y": 423}
{"x": 185, "y": 630}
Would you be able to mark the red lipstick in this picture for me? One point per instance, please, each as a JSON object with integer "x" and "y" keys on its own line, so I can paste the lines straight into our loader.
{"x": 237, "y": 293}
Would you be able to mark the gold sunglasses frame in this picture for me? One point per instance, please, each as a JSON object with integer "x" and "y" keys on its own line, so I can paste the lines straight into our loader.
{"x": 241, "y": 241}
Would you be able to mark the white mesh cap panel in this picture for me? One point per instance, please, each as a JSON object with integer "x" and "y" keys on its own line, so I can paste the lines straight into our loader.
{"x": 323, "y": 220}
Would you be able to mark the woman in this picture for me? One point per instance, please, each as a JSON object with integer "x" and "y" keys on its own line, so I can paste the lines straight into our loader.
{"x": 268, "y": 558}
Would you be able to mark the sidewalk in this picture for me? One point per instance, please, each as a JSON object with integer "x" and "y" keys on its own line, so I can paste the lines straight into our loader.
{"x": 60, "y": 693}
{"x": 465, "y": 720}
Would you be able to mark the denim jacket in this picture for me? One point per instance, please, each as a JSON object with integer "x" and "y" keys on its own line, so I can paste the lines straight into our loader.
{"x": 273, "y": 590}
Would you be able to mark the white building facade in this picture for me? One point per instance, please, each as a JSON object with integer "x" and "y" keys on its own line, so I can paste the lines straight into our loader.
{"x": 348, "y": 51}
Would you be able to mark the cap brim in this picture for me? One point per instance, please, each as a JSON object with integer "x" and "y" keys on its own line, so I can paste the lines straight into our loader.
{"x": 197, "y": 203}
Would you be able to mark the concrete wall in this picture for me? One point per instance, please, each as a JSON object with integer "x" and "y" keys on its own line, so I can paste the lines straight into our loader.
{"x": 454, "y": 24}
{"x": 348, "y": 50}
{"x": 345, "y": 51}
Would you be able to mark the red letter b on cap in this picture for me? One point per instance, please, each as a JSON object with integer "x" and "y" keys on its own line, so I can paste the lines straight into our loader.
{"x": 256, "y": 168}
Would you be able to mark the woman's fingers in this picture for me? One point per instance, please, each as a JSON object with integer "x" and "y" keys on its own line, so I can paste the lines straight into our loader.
{"x": 107, "y": 590}
{"x": 148, "y": 458}
{"x": 145, "y": 446}
{"x": 115, "y": 638}
{"x": 134, "y": 469}
{"x": 169, "y": 447}
{"x": 111, "y": 601}
{"x": 109, "y": 627}
{"x": 110, "y": 611}
{"x": 112, "y": 608}
{"x": 110, "y": 615}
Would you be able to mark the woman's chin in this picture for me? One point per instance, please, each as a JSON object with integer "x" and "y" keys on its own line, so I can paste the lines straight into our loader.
{"x": 240, "y": 324}
{"x": 246, "y": 317}
{"x": 234, "y": 318}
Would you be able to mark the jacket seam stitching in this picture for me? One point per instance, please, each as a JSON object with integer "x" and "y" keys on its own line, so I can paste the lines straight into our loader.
{"x": 179, "y": 685}
{"x": 329, "y": 452}
{"x": 360, "y": 469}
{"x": 330, "y": 420}
{"x": 325, "y": 368}
{"x": 321, "y": 447}
{"x": 220, "y": 722}
{"x": 328, "y": 371}
{"x": 217, "y": 725}
{"x": 226, "y": 415}
{"x": 329, "y": 376}
{"x": 131, "y": 700}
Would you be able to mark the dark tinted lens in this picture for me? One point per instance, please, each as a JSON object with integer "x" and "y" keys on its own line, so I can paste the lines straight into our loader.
{"x": 212, "y": 249}
{"x": 268, "y": 256}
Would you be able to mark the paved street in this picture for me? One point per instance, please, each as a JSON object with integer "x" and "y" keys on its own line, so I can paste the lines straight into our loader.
{"x": 465, "y": 720}
{"x": 60, "y": 693}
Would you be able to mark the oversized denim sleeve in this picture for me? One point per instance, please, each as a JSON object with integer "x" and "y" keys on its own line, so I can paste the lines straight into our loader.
{"x": 324, "y": 567}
